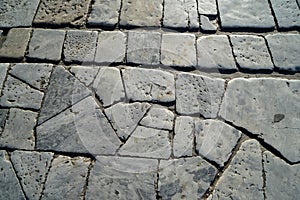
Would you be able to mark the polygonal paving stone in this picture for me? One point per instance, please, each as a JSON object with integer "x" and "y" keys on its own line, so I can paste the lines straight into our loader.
{"x": 3, "y": 116}
{"x": 3, "y": 72}
{"x": 207, "y": 25}
{"x": 184, "y": 178}
{"x": 207, "y": 7}
{"x": 158, "y": 117}
{"x": 85, "y": 74}
{"x": 122, "y": 178}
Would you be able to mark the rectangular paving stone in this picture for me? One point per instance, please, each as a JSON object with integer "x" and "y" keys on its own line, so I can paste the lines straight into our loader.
{"x": 207, "y": 7}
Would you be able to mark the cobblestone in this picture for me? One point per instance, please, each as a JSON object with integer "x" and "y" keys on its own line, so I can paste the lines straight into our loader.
{"x": 85, "y": 74}
{"x": 207, "y": 7}
{"x": 158, "y": 117}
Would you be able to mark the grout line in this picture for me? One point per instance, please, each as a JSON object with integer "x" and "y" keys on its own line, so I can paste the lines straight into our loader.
{"x": 46, "y": 177}
{"x": 263, "y": 173}
{"x": 87, "y": 179}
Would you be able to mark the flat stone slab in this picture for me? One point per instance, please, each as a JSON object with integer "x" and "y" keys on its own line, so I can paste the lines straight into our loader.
{"x": 85, "y": 74}
{"x": 3, "y": 72}
{"x": 207, "y": 7}
{"x": 263, "y": 101}
{"x": 158, "y": 117}
{"x": 208, "y": 25}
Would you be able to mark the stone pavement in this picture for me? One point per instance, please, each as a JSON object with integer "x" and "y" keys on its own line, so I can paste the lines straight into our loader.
{"x": 139, "y": 99}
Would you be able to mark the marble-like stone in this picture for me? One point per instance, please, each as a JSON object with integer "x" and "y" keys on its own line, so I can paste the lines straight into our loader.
{"x": 85, "y": 74}
{"x": 158, "y": 117}
{"x": 3, "y": 116}
{"x": 207, "y": 7}
{"x": 197, "y": 94}
{"x": 180, "y": 53}
{"x": 3, "y": 72}
{"x": 207, "y": 25}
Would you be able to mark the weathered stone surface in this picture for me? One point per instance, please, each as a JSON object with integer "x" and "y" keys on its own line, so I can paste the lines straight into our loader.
{"x": 251, "y": 52}
{"x": 158, "y": 117}
{"x": 18, "y": 94}
{"x": 285, "y": 50}
{"x": 207, "y": 7}
{"x": 10, "y": 187}
{"x": 80, "y": 46}
{"x": 197, "y": 94}
{"x": 207, "y": 25}
{"x": 63, "y": 91}
{"x": 180, "y": 53}
{"x": 85, "y": 74}
{"x": 36, "y": 75}
{"x": 125, "y": 117}
{"x": 3, "y": 115}
{"x": 66, "y": 178}
{"x": 62, "y": 13}
{"x": 108, "y": 86}
{"x": 243, "y": 179}
{"x": 184, "y": 136}
{"x": 123, "y": 178}
{"x": 111, "y": 47}
{"x": 147, "y": 142}
{"x": 31, "y": 167}
{"x": 185, "y": 178}
{"x": 104, "y": 13}
{"x": 272, "y": 107}
{"x": 143, "y": 47}
{"x": 282, "y": 180}
{"x": 214, "y": 52}
{"x": 215, "y": 140}
{"x": 3, "y": 72}
{"x": 149, "y": 85}
{"x": 245, "y": 14}
{"x": 46, "y": 44}
{"x": 17, "y": 13}
{"x": 141, "y": 13}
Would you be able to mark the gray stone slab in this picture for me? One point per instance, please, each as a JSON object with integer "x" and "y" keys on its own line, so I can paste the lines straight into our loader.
{"x": 181, "y": 53}
{"x": 245, "y": 14}
{"x": 282, "y": 179}
{"x": 197, "y": 94}
{"x": 285, "y": 50}
{"x": 263, "y": 102}
{"x": 243, "y": 179}
{"x": 66, "y": 178}
{"x": 32, "y": 167}
{"x": 104, "y": 13}
{"x": 17, "y": 13}
{"x": 80, "y": 46}
{"x": 3, "y": 116}
{"x": 207, "y": 25}
{"x": 111, "y": 47}
{"x": 215, "y": 140}
{"x": 123, "y": 178}
{"x": 251, "y": 52}
{"x": 214, "y": 52}
{"x": 147, "y": 142}
{"x": 184, "y": 178}
{"x": 18, "y": 94}
{"x": 141, "y": 13}
{"x": 149, "y": 85}
{"x": 207, "y": 7}
{"x": 143, "y": 47}
{"x": 85, "y": 74}
{"x": 125, "y": 117}
{"x": 46, "y": 44}
{"x": 3, "y": 72}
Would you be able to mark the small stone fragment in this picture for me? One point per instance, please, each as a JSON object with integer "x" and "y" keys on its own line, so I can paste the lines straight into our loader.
{"x": 86, "y": 74}
{"x": 3, "y": 72}
{"x": 159, "y": 118}
{"x": 207, "y": 25}
{"x": 207, "y": 7}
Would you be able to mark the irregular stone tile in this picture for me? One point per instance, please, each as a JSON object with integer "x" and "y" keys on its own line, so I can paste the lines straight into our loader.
{"x": 263, "y": 102}
{"x": 36, "y": 75}
{"x": 214, "y": 52}
{"x": 197, "y": 94}
{"x": 80, "y": 129}
{"x": 15, "y": 44}
{"x": 18, "y": 94}
{"x": 10, "y": 187}
{"x": 62, "y": 13}
{"x": 207, "y": 25}
{"x": 141, "y": 13}
{"x": 285, "y": 51}
{"x": 207, "y": 7}
{"x": 282, "y": 180}
{"x": 243, "y": 179}
{"x": 111, "y": 47}
{"x": 86, "y": 74}
{"x": 31, "y": 167}
{"x": 215, "y": 140}
{"x": 147, "y": 142}
{"x": 3, "y": 116}
{"x": 46, "y": 44}
{"x": 63, "y": 91}
{"x": 184, "y": 136}
{"x": 159, "y": 118}
{"x": 17, "y": 13}
{"x": 180, "y": 53}
{"x": 149, "y": 85}
{"x": 122, "y": 178}
{"x": 125, "y": 117}
{"x": 184, "y": 178}
{"x": 80, "y": 46}
{"x": 3, "y": 72}
{"x": 104, "y": 13}
{"x": 245, "y": 14}
{"x": 66, "y": 178}
{"x": 143, "y": 47}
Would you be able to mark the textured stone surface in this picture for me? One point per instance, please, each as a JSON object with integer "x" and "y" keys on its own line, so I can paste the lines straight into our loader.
{"x": 85, "y": 74}
{"x": 3, "y": 72}
{"x": 149, "y": 85}
{"x": 207, "y": 7}
{"x": 207, "y": 25}
{"x": 197, "y": 94}
{"x": 158, "y": 117}
{"x": 180, "y": 53}
{"x": 123, "y": 178}
{"x": 3, "y": 115}
{"x": 185, "y": 178}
